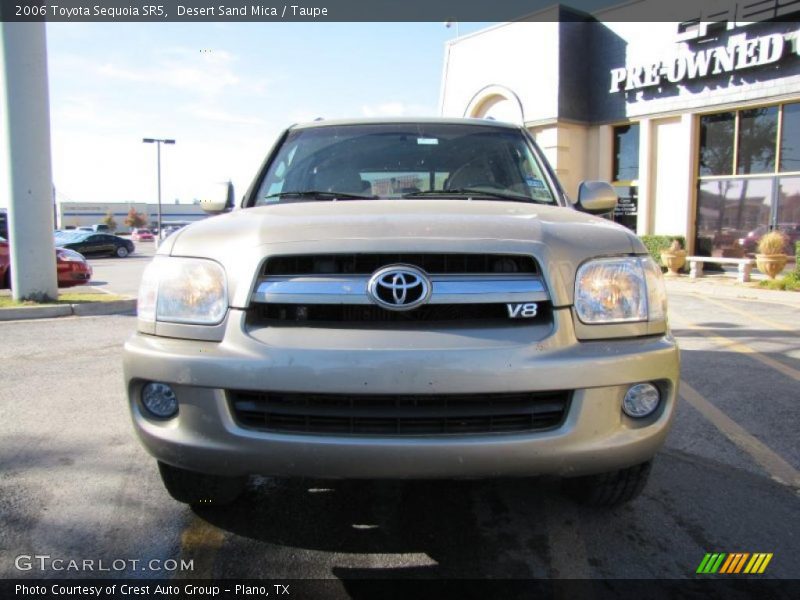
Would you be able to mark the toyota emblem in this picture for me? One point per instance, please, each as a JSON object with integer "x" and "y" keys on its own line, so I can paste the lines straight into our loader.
{"x": 399, "y": 287}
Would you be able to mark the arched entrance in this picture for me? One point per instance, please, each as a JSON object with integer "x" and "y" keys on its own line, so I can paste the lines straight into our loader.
{"x": 496, "y": 102}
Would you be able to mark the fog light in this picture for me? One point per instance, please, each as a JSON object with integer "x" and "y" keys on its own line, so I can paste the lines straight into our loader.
{"x": 159, "y": 400}
{"x": 641, "y": 400}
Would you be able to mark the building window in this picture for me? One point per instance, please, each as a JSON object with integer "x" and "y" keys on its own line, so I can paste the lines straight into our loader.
{"x": 790, "y": 138}
{"x": 757, "y": 142}
{"x": 625, "y": 177}
{"x": 749, "y": 178}
{"x": 716, "y": 144}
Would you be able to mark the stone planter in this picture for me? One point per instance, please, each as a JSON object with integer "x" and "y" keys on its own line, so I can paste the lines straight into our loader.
{"x": 673, "y": 260}
{"x": 771, "y": 264}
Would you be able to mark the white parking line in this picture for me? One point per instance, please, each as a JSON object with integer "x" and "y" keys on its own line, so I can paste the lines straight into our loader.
{"x": 739, "y": 347}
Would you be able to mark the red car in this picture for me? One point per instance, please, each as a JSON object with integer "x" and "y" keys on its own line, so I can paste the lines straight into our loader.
{"x": 142, "y": 235}
{"x": 790, "y": 230}
{"x": 71, "y": 267}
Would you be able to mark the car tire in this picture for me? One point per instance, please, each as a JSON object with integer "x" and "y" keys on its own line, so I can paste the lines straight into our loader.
{"x": 122, "y": 251}
{"x": 608, "y": 489}
{"x": 200, "y": 489}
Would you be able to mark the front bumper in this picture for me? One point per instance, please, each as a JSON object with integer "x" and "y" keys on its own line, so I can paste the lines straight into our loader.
{"x": 594, "y": 437}
{"x": 73, "y": 273}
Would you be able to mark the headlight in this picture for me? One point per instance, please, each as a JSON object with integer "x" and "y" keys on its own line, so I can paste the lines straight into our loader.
{"x": 183, "y": 290}
{"x": 68, "y": 255}
{"x": 620, "y": 290}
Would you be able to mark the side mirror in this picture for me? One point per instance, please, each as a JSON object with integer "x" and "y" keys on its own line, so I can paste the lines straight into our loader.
{"x": 218, "y": 199}
{"x": 596, "y": 197}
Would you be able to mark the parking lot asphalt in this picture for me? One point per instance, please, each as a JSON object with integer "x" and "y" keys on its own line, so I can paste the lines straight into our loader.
{"x": 122, "y": 275}
{"x": 76, "y": 484}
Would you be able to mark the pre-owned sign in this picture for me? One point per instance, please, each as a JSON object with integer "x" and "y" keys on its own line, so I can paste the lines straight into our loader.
{"x": 739, "y": 53}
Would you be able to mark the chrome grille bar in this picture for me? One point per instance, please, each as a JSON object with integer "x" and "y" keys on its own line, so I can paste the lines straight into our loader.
{"x": 446, "y": 289}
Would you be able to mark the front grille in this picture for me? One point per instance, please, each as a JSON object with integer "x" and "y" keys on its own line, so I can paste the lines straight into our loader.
{"x": 484, "y": 314}
{"x": 432, "y": 263}
{"x": 399, "y": 415}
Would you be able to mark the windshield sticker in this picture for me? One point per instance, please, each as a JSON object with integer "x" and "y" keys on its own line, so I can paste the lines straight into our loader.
{"x": 540, "y": 194}
{"x": 427, "y": 141}
{"x": 534, "y": 183}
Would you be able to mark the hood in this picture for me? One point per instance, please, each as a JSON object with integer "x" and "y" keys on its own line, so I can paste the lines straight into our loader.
{"x": 560, "y": 238}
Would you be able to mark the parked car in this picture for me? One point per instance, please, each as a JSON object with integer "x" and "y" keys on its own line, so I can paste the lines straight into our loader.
{"x": 95, "y": 244}
{"x": 71, "y": 267}
{"x": 170, "y": 229}
{"x": 791, "y": 230}
{"x": 404, "y": 299}
{"x": 142, "y": 235}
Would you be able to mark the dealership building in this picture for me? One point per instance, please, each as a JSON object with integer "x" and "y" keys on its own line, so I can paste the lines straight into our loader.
{"x": 696, "y": 123}
{"x": 80, "y": 214}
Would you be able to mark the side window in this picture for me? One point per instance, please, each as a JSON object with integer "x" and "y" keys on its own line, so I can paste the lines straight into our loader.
{"x": 276, "y": 186}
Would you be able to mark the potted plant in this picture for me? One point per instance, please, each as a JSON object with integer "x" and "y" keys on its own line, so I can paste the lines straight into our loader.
{"x": 673, "y": 258}
{"x": 770, "y": 258}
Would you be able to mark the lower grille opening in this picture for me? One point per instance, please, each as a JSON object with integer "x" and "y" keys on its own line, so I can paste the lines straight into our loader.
{"x": 297, "y": 314}
{"x": 399, "y": 415}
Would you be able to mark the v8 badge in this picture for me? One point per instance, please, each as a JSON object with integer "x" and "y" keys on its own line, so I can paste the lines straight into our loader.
{"x": 526, "y": 310}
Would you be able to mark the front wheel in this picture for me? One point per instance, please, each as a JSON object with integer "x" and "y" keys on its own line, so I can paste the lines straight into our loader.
{"x": 200, "y": 489}
{"x": 122, "y": 251}
{"x": 608, "y": 489}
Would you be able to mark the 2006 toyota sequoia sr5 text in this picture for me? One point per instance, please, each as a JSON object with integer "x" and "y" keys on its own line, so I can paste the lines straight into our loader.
{"x": 404, "y": 299}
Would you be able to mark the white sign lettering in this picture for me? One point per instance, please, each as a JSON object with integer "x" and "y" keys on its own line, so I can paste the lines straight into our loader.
{"x": 740, "y": 53}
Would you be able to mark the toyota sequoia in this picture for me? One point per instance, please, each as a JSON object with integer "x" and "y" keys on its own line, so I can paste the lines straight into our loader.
{"x": 403, "y": 299}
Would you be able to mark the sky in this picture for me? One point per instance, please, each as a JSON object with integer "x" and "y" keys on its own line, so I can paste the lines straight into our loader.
{"x": 223, "y": 91}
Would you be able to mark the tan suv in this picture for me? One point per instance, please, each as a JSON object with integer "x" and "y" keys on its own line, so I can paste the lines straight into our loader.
{"x": 404, "y": 299}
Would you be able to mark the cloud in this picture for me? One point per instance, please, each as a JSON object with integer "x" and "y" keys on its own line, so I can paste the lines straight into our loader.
{"x": 202, "y": 81}
{"x": 202, "y": 72}
{"x": 302, "y": 116}
{"x": 79, "y": 110}
{"x": 396, "y": 109}
{"x": 223, "y": 116}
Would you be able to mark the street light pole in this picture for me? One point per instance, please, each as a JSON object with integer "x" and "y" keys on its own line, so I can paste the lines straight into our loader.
{"x": 158, "y": 143}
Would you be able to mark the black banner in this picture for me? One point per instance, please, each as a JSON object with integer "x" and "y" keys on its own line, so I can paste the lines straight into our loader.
{"x": 394, "y": 10}
{"x": 728, "y": 588}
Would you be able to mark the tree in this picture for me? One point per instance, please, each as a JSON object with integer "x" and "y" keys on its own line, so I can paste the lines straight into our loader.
{"x": 135, "y": 220}
{"x": 109, "y": 221}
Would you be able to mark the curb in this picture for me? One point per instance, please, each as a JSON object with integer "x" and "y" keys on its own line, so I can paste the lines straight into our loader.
{"x": 86, "y": 309}
{"x": 734, "y": 292}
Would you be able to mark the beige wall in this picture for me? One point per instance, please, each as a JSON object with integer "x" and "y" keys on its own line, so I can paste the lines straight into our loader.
{"x": 571, "y": 150}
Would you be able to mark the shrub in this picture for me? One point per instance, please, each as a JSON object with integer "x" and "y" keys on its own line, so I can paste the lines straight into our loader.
{"x": 109, "y": 221}
{"x": 790, "y": 282}
{"x": 135, "y": 220}
{"x": 656, "y": 244}
{"x": 797, "y": 258}
{"x": 772, "y": 243}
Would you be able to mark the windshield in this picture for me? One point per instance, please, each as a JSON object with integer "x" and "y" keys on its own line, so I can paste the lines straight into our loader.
{"x": 72, "y": 236}
{"x": 405, "y": 161}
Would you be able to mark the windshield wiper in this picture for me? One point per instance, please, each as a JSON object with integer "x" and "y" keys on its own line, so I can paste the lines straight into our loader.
{"x": 470, "y": 192}
{"x": 319, "y": 194}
